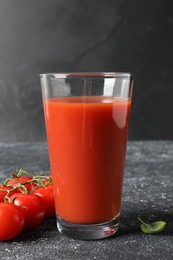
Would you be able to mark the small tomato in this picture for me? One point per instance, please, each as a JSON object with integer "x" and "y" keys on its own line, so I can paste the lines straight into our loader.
{"x": 21, "y": 180}
{"x": 12, "y": 221}
{"x": 46, "y": 193}
{"x": 4, "y": 191}
{"x": 33, "y": 208}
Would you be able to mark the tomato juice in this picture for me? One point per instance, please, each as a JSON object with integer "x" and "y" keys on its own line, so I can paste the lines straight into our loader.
{"x": 87, "y": 139}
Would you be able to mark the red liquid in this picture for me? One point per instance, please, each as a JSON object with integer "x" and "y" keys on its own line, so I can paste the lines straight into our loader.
{"x": 87, "y": 146}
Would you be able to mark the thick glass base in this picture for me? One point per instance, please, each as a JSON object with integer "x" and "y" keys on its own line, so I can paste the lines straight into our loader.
{"x": 88, "y": 232}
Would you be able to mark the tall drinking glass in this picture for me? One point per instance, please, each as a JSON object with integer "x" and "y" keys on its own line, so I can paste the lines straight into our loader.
{"x": 86, "y": 116}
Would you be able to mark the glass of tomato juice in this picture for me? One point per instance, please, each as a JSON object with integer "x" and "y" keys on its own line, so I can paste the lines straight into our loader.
{"x": 86, "y": 116}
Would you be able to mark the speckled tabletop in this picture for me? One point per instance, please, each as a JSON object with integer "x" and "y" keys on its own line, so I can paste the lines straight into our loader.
{"x": 148, "y": 193}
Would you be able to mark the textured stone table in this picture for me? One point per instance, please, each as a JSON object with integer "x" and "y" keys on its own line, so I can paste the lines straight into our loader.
{"x": 148, "y": 193}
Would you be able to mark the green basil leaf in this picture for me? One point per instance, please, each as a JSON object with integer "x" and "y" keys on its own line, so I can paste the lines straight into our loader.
{"x": 152, "y": 228}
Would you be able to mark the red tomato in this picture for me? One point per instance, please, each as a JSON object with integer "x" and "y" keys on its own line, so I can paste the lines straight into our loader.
{"x": 33, "y": 208}
{"x": 4, "y": 190}
{"x": 12, "y": 221}
{"x": 46, "y": 193}
{"x": 21, "y": 180}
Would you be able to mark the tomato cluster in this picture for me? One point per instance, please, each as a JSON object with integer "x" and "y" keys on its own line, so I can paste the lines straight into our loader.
{"x": 24, "y": 202}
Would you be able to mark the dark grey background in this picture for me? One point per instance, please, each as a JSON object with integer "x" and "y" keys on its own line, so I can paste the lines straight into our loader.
{"x": 76, "y": 35}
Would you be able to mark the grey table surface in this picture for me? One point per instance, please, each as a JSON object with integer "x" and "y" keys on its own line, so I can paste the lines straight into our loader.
{"x": 148, "y": 193}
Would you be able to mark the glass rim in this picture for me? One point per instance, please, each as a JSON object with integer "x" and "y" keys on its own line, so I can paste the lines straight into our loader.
{"x": 88, "y": 75}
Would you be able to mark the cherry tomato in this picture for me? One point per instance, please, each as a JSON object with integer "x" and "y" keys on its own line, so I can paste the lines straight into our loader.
{"x": 21, "y": 180}
{"x": 33, "y": 208}
{"x": 4, "y": 190}
{"x": 12, "y": 221}
{"x": 46, "y": 193}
